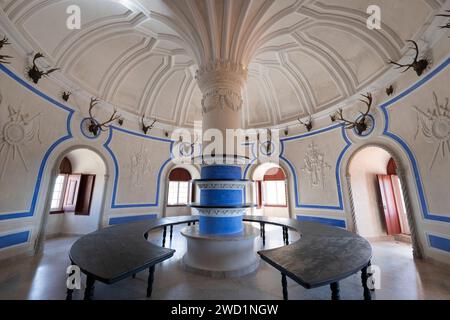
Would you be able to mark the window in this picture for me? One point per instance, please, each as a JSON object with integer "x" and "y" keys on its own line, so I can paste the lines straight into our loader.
{"x": 179, "y": 190}
{"x": 274, "y": 188}
{"x": 275, "y": 193}
{"x": 58, "y": 193}
{"x": 178, "y": 193}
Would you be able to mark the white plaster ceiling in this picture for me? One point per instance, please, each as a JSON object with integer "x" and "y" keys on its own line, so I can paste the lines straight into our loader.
{"x": 304, "y": 56}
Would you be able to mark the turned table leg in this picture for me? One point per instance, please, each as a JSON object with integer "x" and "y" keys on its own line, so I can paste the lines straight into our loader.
{"x": 164, "y": 236}
{"x": 151, "y": 277}
{"x": 335, "y": 291}
{"x": 285, "y": 289}
{"x": 171, "y": 233}
{"x": 364, "y": 280}
{"x": 89, "y": 291}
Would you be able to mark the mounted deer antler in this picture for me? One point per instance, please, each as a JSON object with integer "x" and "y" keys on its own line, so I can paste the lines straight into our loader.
{"x": 3, "y": 58}
{"x": 308, "y": 125}
{"x": 95, "y": 127}
{"x": 146, "y": 128}
{"x": 66, "y": 95}
{"x": 390, "y": 90}
{"x": 360, "y": 125}
{"x": 447, "y": 26}
{"x": 419, "y": 66}
{"x": 35, "y": 73}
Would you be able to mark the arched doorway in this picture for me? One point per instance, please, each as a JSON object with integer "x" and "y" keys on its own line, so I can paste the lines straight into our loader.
{"x": 380, "y": 212}
{"x": 77, "y": 193}
{"x": 179, "y": 192}
{"x": 270, "y": 191}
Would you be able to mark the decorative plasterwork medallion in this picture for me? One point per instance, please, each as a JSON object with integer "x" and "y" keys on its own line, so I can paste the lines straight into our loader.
{"x": 220, "y": 212}
{"x": 140, "y": 166}
{"x": 315, "y": 167}
{"x": 434, "y": 124}
{"x": 19, "y": 130}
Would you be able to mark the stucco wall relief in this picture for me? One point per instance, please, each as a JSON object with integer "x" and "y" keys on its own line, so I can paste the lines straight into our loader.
{"x": 434, "y": 125}
{"x": 19, "y": 129}
{"x": 315, "y": 167}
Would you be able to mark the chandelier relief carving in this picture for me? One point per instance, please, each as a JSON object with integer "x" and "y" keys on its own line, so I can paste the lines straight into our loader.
{"x": 315, "y": 167}
{"x": 19, "y": 130}
{"x": 434, "y": 126}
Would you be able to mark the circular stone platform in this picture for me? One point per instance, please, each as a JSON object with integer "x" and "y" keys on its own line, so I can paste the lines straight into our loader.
{"x": 224, "y": 256}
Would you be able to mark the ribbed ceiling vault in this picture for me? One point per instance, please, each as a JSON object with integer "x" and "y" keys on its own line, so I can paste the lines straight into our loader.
{"x": 303, "y": 56}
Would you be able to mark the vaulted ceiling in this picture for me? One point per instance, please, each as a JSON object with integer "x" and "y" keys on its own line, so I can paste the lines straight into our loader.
{"x": 304, "y": 56}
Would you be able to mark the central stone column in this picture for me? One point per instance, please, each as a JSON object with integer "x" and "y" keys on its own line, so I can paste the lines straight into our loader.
{"x": 221, "y": 246}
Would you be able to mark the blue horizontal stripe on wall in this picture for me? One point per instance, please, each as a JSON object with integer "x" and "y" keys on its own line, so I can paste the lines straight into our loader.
{"x": 439, "y": 243}
{"x": 327, "y": 221}
{"x": 14, "y": 239}
{"x": 129, "y": 219}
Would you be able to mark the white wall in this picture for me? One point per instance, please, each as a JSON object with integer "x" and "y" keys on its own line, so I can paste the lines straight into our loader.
{"x": 364, "y": 168}
{"x": 83, "y": 161}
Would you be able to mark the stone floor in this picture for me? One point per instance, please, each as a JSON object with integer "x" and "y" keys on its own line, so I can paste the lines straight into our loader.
{"x": 43, "y": 277}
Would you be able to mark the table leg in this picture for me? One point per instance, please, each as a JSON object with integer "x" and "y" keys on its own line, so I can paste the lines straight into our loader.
{"x": 260, "y": 229}
{"x": 134, "y": 276}
{"x": 287, "y": 236}
{"x": 171, "y": 233}
{"x": 89, "y": 291}
{"x": 164, "y": 236}
{"x": 151, "y": 277}
{"x": 364, "y": 279}
{"x": 189, "y": 224}
{"x": 264, "y": 234}
{"x": 285, "y": 289}
{"x": 335, "y": 291}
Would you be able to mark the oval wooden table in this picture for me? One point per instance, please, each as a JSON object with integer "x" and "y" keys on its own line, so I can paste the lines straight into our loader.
{"x": 323, "y": 255}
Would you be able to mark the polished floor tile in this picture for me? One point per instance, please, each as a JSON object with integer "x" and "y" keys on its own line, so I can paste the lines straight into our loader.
{"x": 44, "y": 277}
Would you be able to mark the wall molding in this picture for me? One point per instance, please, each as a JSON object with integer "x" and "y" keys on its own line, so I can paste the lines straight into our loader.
{"x": 427, "y": 215}
{"x": 114, "y": 204}
{"x": 68, "y": 136}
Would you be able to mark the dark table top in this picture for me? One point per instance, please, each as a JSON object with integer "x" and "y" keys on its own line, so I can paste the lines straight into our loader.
{"x": 323, "y": 255}
{"x": 114, "y": 253}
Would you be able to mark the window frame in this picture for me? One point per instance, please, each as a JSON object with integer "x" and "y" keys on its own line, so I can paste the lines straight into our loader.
{"x": 179, "y": 204}
{"x": 275, "y": 205}
{"x": 60, "y": 209}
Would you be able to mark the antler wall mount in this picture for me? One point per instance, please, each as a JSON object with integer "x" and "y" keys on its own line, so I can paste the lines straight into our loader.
{"x": 146, "y": 128}
{"x": 35, "y": 73}
{"x": 418, "y": 65}
{"x": 94, "y": 126}
{"x": 4, "y": 58}
{"x": 360, "y": 125}
{"x": 308, "y": 124}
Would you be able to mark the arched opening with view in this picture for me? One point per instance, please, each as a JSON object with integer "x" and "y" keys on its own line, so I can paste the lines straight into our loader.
{"x": 179, "y": 192}
{"x": 270, "y": 191}
{"x": 379, "y": 206}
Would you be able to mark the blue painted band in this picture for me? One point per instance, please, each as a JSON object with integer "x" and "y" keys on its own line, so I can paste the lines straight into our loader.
{"x": 129, "y": 219}
{"x": 384, "y": 107}
{"x": 221, "y": 172}
{"x": 114, "y": 204}
{"x": 328, "y": 221}
{"x": 220, "y": 225}
{"x": 68, "y": 136}
{"x": 298, "y": 202}
{"x": 14, "y": 239}
{"x": 439, "y": 243}
{"x": 219, "y": 197}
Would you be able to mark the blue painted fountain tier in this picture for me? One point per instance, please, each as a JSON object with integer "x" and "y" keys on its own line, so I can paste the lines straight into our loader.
{"x": 212, "y": 225}
{"x": 220, "y": 225}
{"x": 221, "y": 172}
{"x": 217, "y": 197}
